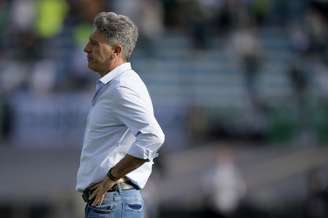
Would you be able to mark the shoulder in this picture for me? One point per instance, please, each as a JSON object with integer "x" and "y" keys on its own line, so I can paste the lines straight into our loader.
{"x": 129, "y": 83}
{"x": 130, "y": 78}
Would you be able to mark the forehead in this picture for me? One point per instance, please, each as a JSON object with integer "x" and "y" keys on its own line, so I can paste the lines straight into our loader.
{"x": 98, "y": 36}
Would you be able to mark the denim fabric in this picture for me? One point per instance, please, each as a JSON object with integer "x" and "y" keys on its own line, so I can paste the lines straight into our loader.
{"x": 118, "y": 204}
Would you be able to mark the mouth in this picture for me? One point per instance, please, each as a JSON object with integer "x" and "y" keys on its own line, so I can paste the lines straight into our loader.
{"x": 89, "y": 58}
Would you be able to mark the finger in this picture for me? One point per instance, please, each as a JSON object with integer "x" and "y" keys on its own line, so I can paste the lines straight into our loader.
{"x": 100, "y": 200}
{"x": 97, "y": 201}
{"x": 93, "y": 194}
{"x": 94, "y": 186}
{"x": 96, "y": 195}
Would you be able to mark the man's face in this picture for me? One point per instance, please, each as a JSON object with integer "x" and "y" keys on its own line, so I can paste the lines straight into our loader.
{"x": 99, "y": 53}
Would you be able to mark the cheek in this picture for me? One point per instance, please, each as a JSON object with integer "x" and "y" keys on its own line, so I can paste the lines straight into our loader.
{"x": 107, "y": 50}
{"x": 96, "y": 53}
{"x": 103, "y": 54}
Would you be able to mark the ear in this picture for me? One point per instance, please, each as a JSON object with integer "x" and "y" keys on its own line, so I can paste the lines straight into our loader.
{"x": 118, "y": 50}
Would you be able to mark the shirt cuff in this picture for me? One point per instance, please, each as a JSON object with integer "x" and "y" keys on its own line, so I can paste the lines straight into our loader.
{"x": 142, "y": 152}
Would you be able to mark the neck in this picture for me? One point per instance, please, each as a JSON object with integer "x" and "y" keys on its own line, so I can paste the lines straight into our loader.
{"x": 112, "y": 66}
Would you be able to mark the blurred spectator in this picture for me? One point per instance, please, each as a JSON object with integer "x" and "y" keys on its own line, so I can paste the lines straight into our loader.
{"x": 260, "y": 10}
{"x": 172, "y": 13}
{"x": 42, "y": 80}
{"x": 316, "y": 204}
{"x": 30, "y": 47}
{"x": 299, "y": 39}
{"x": 148, "y": 16}
{"x": 86, "y": 9}
{"x": 151, "y": 24}
{"x": 23, "y": 15}
{"x": 197, "y": 18}
{"x": 21, "y": 35}
{"x": 316, "y": 27}
{"x": 130, "y": 8}
{"x": 225, "y": 185}
{"x": 14, "y": 76}
{"x": 224, "y": 19}
{"x": 4, "y": 21}
{"x": 247, "y": 46}
{"x": 298, "y": 68}
{"x": 51, "y": 15}
{"x": 197, "y": 124}
{"x": 299, "y": 75}
{"x": 6, "y": 118}
{"x": 4, "y": 17}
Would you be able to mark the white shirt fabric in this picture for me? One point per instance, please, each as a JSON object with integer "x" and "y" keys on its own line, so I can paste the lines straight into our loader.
{"x": 121, "y": 121}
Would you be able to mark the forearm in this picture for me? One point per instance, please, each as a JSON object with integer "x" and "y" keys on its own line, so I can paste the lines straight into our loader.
{"x": 126, "y": 165}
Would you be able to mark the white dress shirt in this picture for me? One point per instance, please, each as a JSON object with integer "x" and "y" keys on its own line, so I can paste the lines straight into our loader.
{"x": 121, "y": 121}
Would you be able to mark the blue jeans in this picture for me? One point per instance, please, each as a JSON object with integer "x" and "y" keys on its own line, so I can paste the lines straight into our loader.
{"x": 118, "y": 204}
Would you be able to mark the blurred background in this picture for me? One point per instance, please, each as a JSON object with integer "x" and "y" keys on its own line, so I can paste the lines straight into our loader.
{"x": 240, "y": 88}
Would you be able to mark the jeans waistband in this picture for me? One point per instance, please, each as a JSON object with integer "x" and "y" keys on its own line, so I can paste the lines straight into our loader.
{"x": 124, "y": 185}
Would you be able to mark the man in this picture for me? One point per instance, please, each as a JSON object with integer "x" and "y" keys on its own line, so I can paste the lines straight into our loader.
{"x": 122, "y": 135}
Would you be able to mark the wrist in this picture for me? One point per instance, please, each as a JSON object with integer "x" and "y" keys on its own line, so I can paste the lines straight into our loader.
{"x": 111, "y": 176}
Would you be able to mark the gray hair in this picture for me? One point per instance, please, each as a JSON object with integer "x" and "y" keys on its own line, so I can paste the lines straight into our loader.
{"x": 118, "y": 29}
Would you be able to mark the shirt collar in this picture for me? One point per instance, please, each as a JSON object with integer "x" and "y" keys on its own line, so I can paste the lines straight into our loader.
{"x": 115, "y": 72}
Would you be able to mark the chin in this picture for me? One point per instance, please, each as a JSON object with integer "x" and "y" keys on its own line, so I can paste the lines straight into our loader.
{"x": 91, "y": 67}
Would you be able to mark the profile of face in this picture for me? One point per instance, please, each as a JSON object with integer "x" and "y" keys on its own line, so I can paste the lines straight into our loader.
{"x": 100, "y": 53}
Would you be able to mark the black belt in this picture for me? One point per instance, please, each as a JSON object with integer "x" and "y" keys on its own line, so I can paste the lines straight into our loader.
{"x": 126, "y": 185}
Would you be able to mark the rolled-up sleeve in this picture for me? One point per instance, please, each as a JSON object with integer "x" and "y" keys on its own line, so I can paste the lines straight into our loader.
{"x": 136, "y": 112}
